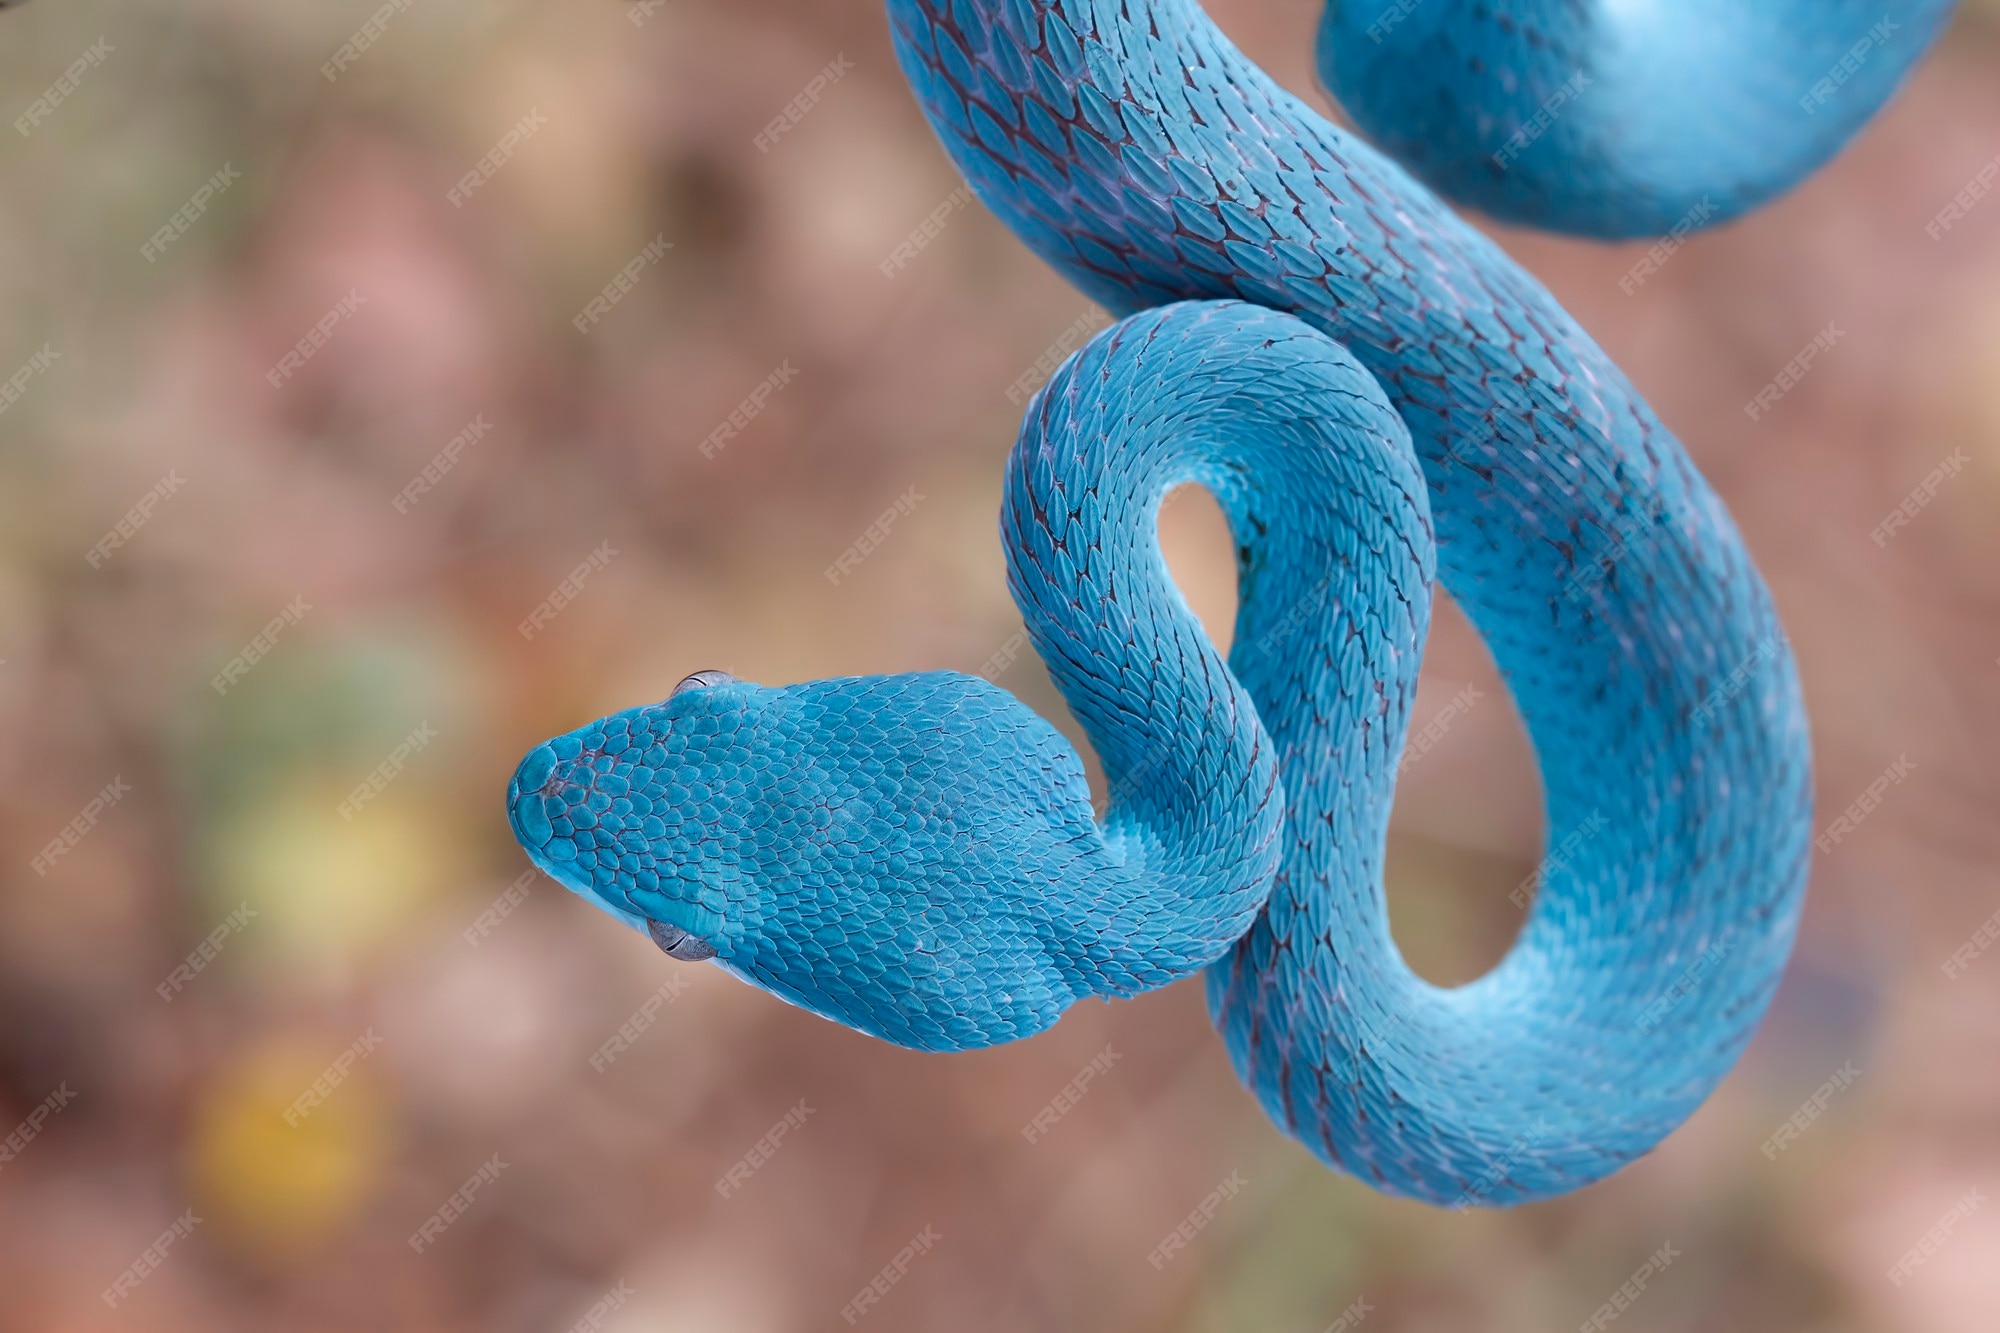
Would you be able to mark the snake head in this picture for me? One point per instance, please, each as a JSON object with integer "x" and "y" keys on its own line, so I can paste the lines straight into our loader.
{"x": 879, "y": 850}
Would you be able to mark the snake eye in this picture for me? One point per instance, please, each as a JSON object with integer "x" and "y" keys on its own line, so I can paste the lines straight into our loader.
{"x": 701, "y": 680}
{"x": 677, "y": 943}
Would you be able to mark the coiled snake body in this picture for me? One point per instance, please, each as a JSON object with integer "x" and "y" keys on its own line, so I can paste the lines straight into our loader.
{"x": 1376, "y": 395}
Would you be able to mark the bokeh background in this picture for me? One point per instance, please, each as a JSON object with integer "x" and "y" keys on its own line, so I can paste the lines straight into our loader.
{"x": 164, "y": 1096}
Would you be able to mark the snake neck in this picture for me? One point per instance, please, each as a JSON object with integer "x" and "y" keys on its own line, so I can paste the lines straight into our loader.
{"x": 1326, "y": 509}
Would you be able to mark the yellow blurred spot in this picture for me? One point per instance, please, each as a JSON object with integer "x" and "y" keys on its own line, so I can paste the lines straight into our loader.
{"x": 276, "y": 1188}
{"x": 329, "y": 888}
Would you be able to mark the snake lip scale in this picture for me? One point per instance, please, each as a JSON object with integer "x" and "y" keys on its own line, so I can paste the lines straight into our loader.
{"x": 1380, "y": 400}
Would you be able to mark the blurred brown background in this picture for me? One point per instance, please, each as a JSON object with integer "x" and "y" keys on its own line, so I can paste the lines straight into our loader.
{"x": 207, "y": 940}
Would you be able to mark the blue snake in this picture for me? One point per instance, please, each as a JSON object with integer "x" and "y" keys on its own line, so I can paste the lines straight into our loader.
{"x": 1377, "y": 397}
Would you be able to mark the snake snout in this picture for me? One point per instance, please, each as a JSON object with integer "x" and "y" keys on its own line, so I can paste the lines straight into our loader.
{"x": 588, "y": 810}
{"x": 529, "y": 793}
